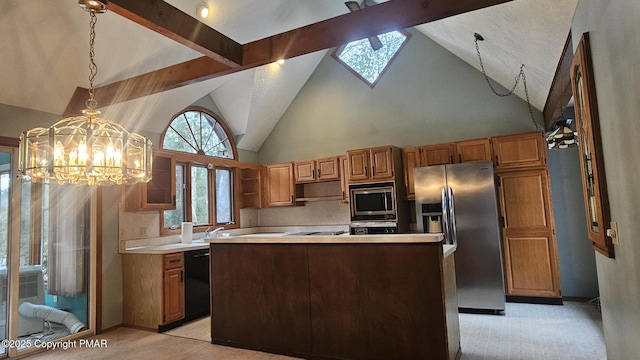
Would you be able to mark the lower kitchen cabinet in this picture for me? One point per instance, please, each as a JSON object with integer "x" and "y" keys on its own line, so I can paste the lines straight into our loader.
{"x": 152, "y": 289}
{"x": 528, "y": 234}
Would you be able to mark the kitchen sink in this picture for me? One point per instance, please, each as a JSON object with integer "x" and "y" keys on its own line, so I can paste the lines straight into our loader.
{"x": 320, "y": 233}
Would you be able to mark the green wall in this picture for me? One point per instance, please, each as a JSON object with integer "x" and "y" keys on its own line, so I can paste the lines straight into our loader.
{"x": 427, "y": 95}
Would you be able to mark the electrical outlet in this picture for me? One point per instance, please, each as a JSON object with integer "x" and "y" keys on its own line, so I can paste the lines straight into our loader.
{"x": 613, "y": 233}
{"x": 142, "y": 231}
{"x": 55, "y": 298}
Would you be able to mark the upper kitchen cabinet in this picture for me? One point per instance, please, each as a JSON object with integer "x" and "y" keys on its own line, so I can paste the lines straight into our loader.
{"x": 410, "y": 160}
{"x": 324, "y": 169}
{"x": 519, "y": 150}
{"x": 250, "y": 190}
{"x": 157, "y": 194}
{"x": 439, "y": 154}
{"x": 344, "y": 183}
{"x": 473, "y": 150}
{"x": 373, "y": 164}
{"x": 280, "y": 188}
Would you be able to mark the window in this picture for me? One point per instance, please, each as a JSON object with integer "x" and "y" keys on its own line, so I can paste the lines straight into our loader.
{"x": 198, "y": 132}
{"x": 366, "y": 63}
{"x": 204, "y": 182}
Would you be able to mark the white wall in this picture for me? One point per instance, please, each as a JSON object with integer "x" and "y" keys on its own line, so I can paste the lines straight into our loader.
{"x": 614, "y": 27}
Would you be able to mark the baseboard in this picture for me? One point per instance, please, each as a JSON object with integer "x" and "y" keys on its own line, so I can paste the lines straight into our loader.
{"x": 534, "y": 300}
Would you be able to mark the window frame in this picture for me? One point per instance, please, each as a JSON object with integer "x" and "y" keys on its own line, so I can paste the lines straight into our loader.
{"x": 337, "y": 50}
{"x": 211, "y": 163}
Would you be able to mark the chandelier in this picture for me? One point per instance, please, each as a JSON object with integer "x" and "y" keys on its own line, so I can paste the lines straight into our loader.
{"x": 562, "y": 137}
{"x": 86, "y": 149}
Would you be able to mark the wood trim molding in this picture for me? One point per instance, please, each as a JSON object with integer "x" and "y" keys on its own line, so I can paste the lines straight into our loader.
{"x": 560, "y": 92}
{"x": 9, "y": 141}
{"x": 222, "y": 58}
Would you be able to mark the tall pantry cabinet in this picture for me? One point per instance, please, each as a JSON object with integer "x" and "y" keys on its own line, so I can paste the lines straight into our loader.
{"x": 528, "y": 229}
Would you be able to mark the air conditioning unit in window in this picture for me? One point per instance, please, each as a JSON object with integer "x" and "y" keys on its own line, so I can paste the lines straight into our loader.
{"x": 31, "y": 289}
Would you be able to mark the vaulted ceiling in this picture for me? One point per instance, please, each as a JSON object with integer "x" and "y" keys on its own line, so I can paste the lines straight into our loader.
{"x": 44, "y": 52}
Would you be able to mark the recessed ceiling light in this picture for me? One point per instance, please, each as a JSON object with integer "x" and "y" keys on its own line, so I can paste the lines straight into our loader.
{"x": 202, "y": 10}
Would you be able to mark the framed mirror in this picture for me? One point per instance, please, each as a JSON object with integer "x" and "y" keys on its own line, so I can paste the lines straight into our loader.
{"x": 594, "y": 185}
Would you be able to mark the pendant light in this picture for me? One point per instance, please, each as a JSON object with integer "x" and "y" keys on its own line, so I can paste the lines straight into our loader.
{"x": 86, "y": 149}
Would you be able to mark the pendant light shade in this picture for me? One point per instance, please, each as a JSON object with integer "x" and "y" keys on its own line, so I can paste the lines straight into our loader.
{"x": 562, "y": 137}
{"x": 86, "y": 149}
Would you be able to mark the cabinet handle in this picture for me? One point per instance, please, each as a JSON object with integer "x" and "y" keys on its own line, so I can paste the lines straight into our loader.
{"x": 366, "y": 174}
{"x": 181, "y": 276}
{"x": 343, "y": 195}
{"x": 451, "y": 159}
{"x": 174, "y": 261}
{"x": 459, "y": 157}
{"x": 174, "y": 200}
{"x": 497, "y": 161}
{"x": 313, "y": 174}
{"x": 373, "y": 171}
{"x": 318, "y": 173}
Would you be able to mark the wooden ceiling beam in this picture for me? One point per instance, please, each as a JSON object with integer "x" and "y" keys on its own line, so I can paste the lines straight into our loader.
{"x": 221, "y": 54}
{"x": 370, "y": 21}
{"x": 560, "y": 92}
{"x": 169, "y": 21}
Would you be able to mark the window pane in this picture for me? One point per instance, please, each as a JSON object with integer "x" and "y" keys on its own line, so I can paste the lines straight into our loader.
{"x": 370, "y": 63}
{"x": 200, "y": 195}
{"x": 224, "y": 193}
{"x": 174, "y": 218}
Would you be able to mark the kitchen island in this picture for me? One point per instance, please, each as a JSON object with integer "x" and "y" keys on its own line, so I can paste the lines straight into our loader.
{"x": 336, "y": 297}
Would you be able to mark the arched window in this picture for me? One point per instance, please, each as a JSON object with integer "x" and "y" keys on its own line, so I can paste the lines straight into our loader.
{"x": 204, "y": 182}
{"x": 196, "y": 131}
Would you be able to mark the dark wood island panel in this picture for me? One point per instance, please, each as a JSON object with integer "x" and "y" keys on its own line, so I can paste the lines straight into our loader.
{"x": 335, "y": 301}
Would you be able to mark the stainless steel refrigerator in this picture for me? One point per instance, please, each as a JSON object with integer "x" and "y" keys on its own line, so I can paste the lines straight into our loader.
{"x": 460, "y": 201}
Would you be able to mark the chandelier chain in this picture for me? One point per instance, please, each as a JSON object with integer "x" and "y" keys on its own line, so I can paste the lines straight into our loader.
{"x": 93, "y": 68}
{"x": 517, "y": 78}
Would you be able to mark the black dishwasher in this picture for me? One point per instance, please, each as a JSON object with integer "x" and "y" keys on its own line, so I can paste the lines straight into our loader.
{"x": 196, "y": 287}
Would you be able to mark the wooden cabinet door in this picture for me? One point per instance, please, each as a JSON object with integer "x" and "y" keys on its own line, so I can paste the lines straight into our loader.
{"x": 529, "y": 243}
{"x": 439, "y": 154}
{"x": 410, "y": 160}
{"x": 305, "y": 171}
{"x": 280, "y": 186}
{"x": 358, "y": 164}
{"x": 173, "y": 295}
{"x": 157, "y": 194}
{"x": 343, "y": 178}
{"x": 328, "y": 168}
{"x": 473, "y": 150}
{"x": 381, "y": 163}
{"x": 514, "y": 151}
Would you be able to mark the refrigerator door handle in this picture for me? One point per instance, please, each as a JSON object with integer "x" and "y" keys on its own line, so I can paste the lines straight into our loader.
{"x": 445, "y": 218}
{"x": 452, "y": 220}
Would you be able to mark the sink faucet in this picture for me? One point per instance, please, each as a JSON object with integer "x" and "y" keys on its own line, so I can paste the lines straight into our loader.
{"x": 208, "y": 233}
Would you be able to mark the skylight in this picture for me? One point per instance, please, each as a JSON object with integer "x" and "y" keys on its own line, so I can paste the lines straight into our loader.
{"x": 368, "y": 64}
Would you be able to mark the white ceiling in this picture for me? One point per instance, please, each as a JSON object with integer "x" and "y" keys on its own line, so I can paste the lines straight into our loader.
{"x": 44, "y": 56}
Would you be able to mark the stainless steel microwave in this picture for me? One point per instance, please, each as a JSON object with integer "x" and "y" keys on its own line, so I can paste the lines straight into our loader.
{"x": 373, "y": 201}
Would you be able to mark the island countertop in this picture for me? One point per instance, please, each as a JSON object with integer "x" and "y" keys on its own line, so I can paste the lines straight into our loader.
{"x": 285, "y": 238}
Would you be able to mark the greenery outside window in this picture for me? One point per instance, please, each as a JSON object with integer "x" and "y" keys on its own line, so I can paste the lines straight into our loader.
{"x": 368, "y": 64}
{"x": 204, "y": 181}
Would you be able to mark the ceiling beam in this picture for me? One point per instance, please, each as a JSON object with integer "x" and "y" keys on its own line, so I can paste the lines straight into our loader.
{"x": 154, "y": 82}
{"x": 169, "y": 21}
{"x": 370, "y": 21}
{"x": 560, "y": 92}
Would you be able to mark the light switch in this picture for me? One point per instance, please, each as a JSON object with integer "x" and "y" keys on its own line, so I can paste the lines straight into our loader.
{"x": 613, "y": 233}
